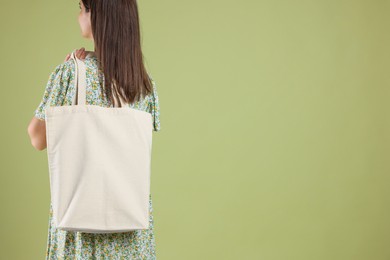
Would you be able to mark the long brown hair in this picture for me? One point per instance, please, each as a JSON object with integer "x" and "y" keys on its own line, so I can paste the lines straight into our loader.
{"x": 116, "y": 33}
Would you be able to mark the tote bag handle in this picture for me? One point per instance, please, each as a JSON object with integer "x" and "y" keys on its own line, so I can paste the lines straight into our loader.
{"x": 81, "y": 84}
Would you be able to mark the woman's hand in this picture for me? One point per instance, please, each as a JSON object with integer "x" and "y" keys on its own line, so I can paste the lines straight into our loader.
{"x": 80, "y": 53}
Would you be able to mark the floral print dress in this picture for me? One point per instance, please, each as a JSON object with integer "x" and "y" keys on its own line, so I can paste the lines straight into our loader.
{"x": 137, "y": 244}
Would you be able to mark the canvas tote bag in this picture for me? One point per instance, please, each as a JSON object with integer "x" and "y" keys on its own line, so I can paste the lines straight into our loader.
{"x": 99, "y": 164}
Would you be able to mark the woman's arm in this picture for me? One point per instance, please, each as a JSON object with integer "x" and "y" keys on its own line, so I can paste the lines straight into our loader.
{"x": 37, "y": 132}
{"x": 37, "y": 127}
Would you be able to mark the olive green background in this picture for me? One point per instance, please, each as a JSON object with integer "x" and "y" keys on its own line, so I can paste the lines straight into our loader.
{"x": 274, "y": 140}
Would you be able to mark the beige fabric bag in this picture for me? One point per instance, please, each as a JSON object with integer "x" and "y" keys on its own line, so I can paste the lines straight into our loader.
{"x": 99, "y": 164}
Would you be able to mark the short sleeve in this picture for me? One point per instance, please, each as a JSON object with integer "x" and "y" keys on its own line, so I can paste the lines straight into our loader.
{"x": 54, "y": 93}
{"x": 154, "y": 107}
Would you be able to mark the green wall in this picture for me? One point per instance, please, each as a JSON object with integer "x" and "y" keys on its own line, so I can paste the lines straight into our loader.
{"x": 274, "y": 141}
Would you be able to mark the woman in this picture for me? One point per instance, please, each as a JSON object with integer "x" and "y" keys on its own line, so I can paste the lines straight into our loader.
{"x": 114, "y": 28}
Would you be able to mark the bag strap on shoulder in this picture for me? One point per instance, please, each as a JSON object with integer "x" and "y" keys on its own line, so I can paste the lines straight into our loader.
{"x": 79, "y": 98}
{"x": 81, "y": 84}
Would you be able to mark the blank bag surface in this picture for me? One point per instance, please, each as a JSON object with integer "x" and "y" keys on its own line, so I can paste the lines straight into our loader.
{"x": 99, "y": 164}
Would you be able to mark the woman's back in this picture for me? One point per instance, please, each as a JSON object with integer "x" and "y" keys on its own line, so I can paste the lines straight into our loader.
{"x": 138, "y": 244}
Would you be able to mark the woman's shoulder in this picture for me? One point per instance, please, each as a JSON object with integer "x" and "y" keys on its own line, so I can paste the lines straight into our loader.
{"x": 61, "y": 75}
{"x": 64, "y": 72}
{"x": 69, "y": 65}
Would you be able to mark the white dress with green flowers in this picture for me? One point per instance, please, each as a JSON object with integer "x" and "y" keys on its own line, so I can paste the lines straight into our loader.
{"x": 137, "y": 244}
